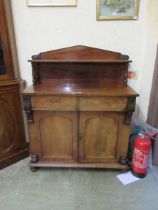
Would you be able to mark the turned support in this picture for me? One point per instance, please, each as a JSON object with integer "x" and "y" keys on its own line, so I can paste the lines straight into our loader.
{"x": 35, "y": 74}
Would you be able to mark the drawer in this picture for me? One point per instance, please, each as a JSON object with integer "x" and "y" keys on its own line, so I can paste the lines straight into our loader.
{"x": 54, "y": 103}
{"x": 103, "y": 103}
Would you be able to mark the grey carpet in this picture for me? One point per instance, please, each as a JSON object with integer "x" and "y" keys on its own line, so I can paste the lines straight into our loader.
{"x": 74, "y": 189}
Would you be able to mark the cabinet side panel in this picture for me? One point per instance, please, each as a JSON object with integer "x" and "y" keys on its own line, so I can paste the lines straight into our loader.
{"x": 122, "y": 147}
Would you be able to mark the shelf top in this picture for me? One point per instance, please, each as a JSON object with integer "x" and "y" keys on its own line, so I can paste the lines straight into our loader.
{"x": 69, "y": 87}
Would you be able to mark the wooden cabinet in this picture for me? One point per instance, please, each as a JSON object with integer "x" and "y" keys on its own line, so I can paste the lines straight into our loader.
{"x": 13, "y": 146}
{"x": 79, "y": 109}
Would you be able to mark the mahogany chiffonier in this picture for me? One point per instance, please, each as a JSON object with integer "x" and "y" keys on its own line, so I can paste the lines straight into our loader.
{"x": 79, "y": 108}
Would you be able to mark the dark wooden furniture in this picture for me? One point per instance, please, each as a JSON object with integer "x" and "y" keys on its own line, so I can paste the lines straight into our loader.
{"x": 79, "y": 108}
{"x": 13, "y": 146}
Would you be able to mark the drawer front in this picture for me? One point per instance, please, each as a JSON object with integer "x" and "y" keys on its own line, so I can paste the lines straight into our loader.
{"x": 103, "y": 103}
{"x": 54, "y": 103}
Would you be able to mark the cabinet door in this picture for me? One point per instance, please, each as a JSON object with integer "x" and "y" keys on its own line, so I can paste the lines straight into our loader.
{"x": 53, "y": 136}
{"x": 103, "y": 137}
{"x": 13, "y": 146}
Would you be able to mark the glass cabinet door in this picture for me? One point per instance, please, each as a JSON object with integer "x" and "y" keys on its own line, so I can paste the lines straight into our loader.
{"x": 2, "y": 63}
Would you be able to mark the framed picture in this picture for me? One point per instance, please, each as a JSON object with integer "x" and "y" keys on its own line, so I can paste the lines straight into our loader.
{"x": 117, "y": 9}
{"x": 48, "y": 3}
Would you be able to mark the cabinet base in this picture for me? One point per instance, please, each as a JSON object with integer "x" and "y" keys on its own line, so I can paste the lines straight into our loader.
{"x": 42, "y": 164}
{"x": 14, "y": 157}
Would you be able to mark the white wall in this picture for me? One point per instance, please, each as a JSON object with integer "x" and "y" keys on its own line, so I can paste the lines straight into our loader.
{"x": 150, "y": 47}
{"x": 41, "y": 29}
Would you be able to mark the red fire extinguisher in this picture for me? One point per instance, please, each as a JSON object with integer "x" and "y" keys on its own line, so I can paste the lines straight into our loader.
{"x": 141, "y": 153}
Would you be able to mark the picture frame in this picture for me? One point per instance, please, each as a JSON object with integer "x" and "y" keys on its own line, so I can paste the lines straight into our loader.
{"x": 117, "y": 9}
{"x": 51, "y": 3}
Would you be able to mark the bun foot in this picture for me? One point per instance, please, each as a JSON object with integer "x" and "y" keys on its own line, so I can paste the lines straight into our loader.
{"x": 33, "y": 168}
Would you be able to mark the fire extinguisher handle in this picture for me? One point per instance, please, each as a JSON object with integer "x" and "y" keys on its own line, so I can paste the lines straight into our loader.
{"x": 150, "y": 134}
